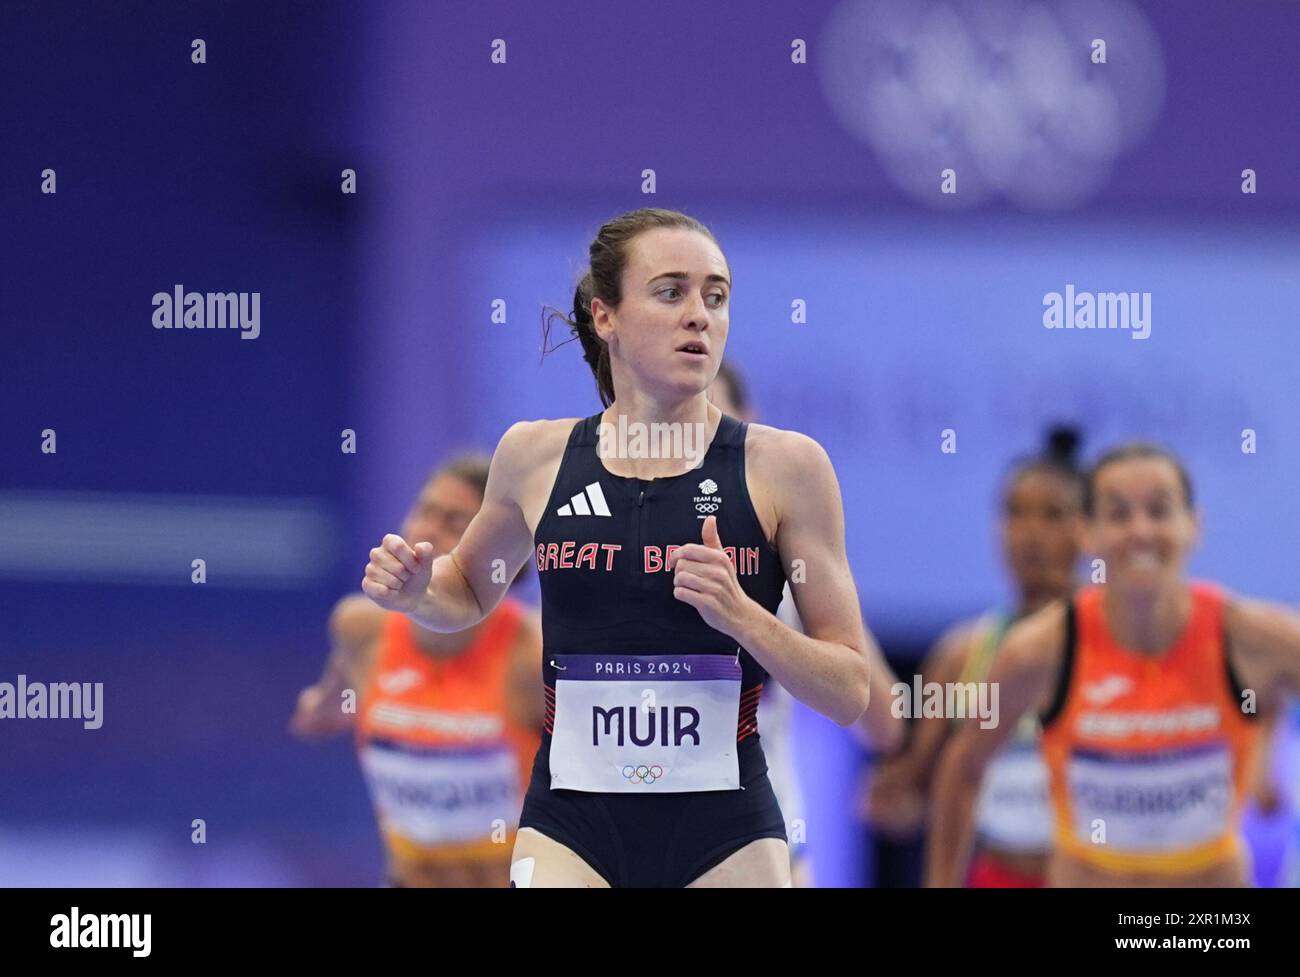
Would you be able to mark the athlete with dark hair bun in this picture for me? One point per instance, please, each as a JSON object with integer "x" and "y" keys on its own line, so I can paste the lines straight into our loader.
{"x": 1148, "y": 687}
{"x": 1041, "y": 517}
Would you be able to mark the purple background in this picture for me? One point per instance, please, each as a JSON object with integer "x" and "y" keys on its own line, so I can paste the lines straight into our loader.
{"x": 480, "y": 181}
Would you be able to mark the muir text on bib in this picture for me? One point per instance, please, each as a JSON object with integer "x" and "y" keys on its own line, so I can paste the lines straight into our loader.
{"x": 645, "y": 723}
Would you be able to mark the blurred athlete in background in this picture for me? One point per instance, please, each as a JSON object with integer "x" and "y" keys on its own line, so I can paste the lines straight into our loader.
{"x": 1148, "y": 687}
{"x": 446, "y": 725}
{"x": 880, "y": 729}
{"x": 1040, "y": 521}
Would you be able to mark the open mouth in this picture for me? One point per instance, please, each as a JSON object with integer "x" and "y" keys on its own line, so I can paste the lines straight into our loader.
{"x": 695, "y": 349}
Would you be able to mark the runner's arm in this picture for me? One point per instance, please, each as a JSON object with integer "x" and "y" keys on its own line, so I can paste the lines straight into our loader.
{"x": 826, "y": 668}
{"x": 1264, "y": 640}
{"x": 466, "y": 584}
{"x": 354, "y": 625}
{"x": 1026, "y": 666}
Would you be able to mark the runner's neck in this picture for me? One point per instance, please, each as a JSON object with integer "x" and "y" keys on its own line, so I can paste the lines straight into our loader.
{"x": 1147, "y": 624}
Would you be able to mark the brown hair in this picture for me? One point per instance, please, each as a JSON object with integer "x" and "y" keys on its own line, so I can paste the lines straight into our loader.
{"x": 1128, "y": 452}
{"x": 470, "y": 468}
{"x": 609, "y": 255}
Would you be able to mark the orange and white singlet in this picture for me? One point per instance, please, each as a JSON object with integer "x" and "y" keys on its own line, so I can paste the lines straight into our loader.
{"x": 445, "y": 762}
{"x": 1148, "y": 755}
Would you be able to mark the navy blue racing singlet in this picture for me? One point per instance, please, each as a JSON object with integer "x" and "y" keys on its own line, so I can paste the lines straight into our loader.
{"x": 601, "y": 550}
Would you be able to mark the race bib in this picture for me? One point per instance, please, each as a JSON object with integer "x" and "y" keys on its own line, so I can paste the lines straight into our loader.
{"x": 1154, "y": 802}
{"x": 1013, "y": 807}
{"x": 645, "y": 723}
{"x": 442, "y": 796}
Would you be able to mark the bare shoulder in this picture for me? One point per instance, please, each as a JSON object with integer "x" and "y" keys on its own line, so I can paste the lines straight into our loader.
{"x": 528, "y": 444}
{"x": 784, "y": 469}
{"x": 962, "y": 633}
{"x": 1263, "y": 640}
{"x": 356, "y": 620}
{"x": 950, "y": 650}
{"x": 526, "y": 463}
{"x": 1249, "y": 618}
{"x": 780, "y": 454}
{"x": 1035, "y": 645}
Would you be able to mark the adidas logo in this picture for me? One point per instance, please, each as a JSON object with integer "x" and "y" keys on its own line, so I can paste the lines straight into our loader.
{"x": 578, "y": 504}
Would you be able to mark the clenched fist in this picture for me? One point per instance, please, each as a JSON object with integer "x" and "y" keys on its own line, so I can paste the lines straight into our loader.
{"x": 397, "y": 575}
